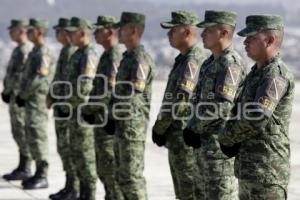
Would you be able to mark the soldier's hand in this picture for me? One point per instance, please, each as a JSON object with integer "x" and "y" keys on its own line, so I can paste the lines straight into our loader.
{"x": 89, "y": 118}
{"x": 158, "y": 139}
{"x": 191, "y": 138}
{"x": 20, "y": 102}
{"x": 62, "y": 114}
{"x": 230, "y": 151}
{"x": 110, "y": 127}
{"x": 5, "y": 97}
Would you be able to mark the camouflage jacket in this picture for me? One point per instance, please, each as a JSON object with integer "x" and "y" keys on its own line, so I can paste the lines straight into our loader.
{"x": 38, "y": 73}
{"x": 106, "y": 77}
{"x": 265, "y": 149}
{"x": 15, "y": 68}
{"x": 81, "y": 72}
{"x": 220, "y": 81}
{"x": 133, "y": 87}
{"x": 181, "y": 84}
{"x": 57, "y": 87}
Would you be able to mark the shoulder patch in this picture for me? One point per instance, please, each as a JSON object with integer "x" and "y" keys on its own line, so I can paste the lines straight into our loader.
{"x": 45, "y": 64}
{"x": 189, "y": 78}
{"x": 140, "y": 76}
{"x": 90, "y": 67}
{"x": 228, "y": 82}
{"x": 269, "y": 94}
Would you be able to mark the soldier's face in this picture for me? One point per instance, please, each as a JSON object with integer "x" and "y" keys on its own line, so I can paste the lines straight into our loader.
{"x": 62, "y": 36}
{"x": 255, "y": 46}
{"x": 125, "y": 33}
{"x": 211, "y": 37}
{"x": 176, "y": 36}
{"x": 13, "y": 33}
{"x": 76, "y": 37}
{"x": 33, "y": 34}
{"x": 101, "y": 35}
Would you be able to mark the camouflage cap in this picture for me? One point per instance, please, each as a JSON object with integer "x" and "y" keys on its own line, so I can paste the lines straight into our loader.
{"x": 78, "y": 23}
{"x": 62, "y": 23}
{"x": 257, "y": 23}
{"x": 106, "y": 22}
{"x": 181, "y": 17}
{"x": 131, "y": 17}
{"x": 214, "y": 17}
{"x": 18, "y": 23}
{"x": 37, "y": 23}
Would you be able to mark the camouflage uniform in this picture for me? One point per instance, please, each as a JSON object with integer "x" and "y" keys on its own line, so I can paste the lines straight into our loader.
{"x": 56, "y": 95}
{"x": 104, "y": 141}
{"x": 262, "y": 164}
{"x": 82, "y": 69}
{"x": 38, "y": 74}
{"x": 181, "y": 83}
{"x": 137, "y": 69}
{"x": 11, "y": 89}
{"x": 220, "y": 81}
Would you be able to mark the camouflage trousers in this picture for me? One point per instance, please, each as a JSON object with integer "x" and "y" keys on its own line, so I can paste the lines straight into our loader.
{"x": 36, "y": 122}
{"x": 106, "y": 164}
{"x": 214, "y": 177}
{"x": 64, "y": 150}
{"x": 182, "y": 165}
{"x": 258, "y": 191}
{"x": 17, "y": 121}
{"x": 130, "y": 167}
{"x": 83, "y": 154}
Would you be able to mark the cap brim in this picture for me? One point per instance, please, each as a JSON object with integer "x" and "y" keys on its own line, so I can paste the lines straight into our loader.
{"x": 168, "y": 25}
{"x": 247, "y": 32}
{"x": 205, "y": 24}
{"x": 71, "y": 29}
{"x": 30, "y": 27}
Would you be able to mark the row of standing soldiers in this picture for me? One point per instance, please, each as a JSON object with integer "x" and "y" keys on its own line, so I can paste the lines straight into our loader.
{"x": 226, "y": 132}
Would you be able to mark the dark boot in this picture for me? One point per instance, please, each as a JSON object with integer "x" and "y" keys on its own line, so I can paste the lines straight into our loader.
{"x": 22, "y": 172}
{"x": 61, "y": 192}
{"x": 72, "y": 189}
{"x": 69, "y": 192}
{"x": 87, "y": 192}
{"x": 39, "y": 180}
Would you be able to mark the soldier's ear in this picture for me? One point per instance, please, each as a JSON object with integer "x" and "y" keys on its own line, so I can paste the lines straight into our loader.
{"x": 271, "y": 40}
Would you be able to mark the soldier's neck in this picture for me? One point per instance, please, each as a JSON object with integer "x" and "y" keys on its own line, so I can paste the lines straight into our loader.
{"x": 110, "y": 44}
{"x": 83, "y": 44}
{"x": 185, "y": 49}
{"x": 39, "y": 42}
{"x": 132, "y": 45}
{"x": 218, "y": 50}
{"x": 266, "y": 58}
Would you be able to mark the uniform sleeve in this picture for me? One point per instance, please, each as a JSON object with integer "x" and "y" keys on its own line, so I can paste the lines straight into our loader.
{"x": 212, "y": 117}
{"x": 7, "y": 83}
{"x": 139, "y": 76}
{"x": 267, "y": 97}
{"x": 85, "y": 81}
{"x": 183, "y": 93}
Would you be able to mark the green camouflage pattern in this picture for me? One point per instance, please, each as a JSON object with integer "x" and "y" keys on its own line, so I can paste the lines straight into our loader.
{"x": 257, "y": 23}
{"x": 37, "y": 76}
{"x": 18, "y": 23}
{"x": 78, "y": 23}
{"x": 180, "y": 87}
{"x": 82, "y": 69}
{"x": 104, "y": 142}
{"x": 37, "y": 23}
{"x": 62, "y": 128}
{"x": 132, "y": 17}
{"x": 220, "y": 82}
{"x": 11, "y": 85}
{"x": 214, "y": 17}
{"x": 264, "y": 155}
{"x": 106, "y": 22}
{"x": 181, "y": 17}
{"x": 258, "y": 191}
{"x": 138, "y": 69}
